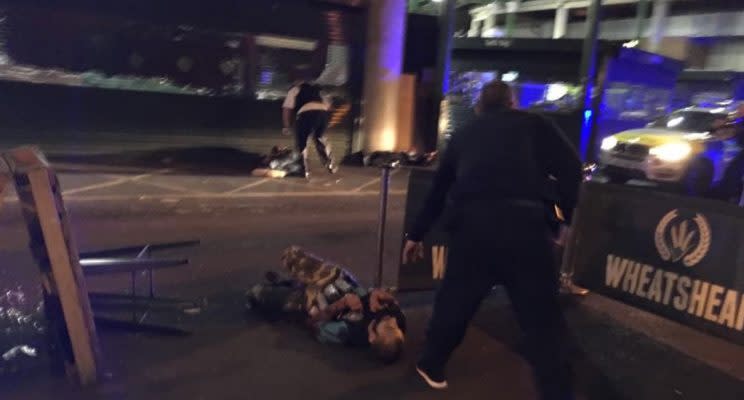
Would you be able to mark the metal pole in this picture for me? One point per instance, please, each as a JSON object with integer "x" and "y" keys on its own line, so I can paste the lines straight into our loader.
{"x": 134, "y": 295}
{"x": 588, "y": 76}
{"x": 444, "y": 52}
{"x": 382, "y": 220}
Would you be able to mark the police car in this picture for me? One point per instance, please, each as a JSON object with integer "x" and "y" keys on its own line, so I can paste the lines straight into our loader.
{"x": 689, "y": 148}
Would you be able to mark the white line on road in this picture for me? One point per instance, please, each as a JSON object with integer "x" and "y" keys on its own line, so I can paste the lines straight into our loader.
{"x": 248, "y": 186}
{"x": 168, "y": 186}
{"x": 372, "y": 182}
{"x": 114, "y": 182}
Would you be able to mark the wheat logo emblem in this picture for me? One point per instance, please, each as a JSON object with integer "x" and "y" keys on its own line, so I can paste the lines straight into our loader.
{"x": 680, "y": 239}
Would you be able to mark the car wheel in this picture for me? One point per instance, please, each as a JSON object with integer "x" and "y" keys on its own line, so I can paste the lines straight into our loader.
{"x": 699, "y": 178}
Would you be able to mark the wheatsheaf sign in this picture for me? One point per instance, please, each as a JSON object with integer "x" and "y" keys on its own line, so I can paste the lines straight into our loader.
{"x": 675, "y": 256}
{"x": 429, "y": 271}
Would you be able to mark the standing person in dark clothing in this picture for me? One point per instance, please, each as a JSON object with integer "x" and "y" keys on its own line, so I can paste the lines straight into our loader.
{"x": 306, "y": 110}
{"x": 730, "y": 187}
{"x": 489, "y": 190}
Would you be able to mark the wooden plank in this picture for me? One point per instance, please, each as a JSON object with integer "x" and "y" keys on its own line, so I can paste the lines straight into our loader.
{"x": 57, "y": 257}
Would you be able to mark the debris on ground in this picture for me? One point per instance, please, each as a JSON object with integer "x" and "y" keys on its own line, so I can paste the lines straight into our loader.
{"x": 411, "y": 158}
{"x": 280, "y": 162}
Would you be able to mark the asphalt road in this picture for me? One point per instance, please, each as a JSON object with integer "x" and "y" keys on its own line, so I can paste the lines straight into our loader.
{"x": 243, "y": 224}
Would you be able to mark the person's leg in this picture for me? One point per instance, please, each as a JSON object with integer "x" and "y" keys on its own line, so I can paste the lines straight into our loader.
{"x": 277, "y": 301}
{"x": 303, "y": 129}
{"x": 321, "y": 141}
{"x": 308, "y": 268}
{"x": 730, "y": 185}
{"x": 466, "y": 282}
{"x": 532, "y": 283}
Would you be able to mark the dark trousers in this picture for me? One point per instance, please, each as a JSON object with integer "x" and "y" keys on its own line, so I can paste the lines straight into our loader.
{"x": 279, "y": 301}
{"x": 521, "y": 258}
{"x": 313, "y": 124}
{"x": 730, "y": 186}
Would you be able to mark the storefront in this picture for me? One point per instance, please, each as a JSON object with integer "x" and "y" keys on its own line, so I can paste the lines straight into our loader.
{"x": 228, "y": 67}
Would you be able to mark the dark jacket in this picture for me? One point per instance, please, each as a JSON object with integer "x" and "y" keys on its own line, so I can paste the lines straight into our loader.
{"x": 498, "y": 164}
{"x": 309, "y": 93}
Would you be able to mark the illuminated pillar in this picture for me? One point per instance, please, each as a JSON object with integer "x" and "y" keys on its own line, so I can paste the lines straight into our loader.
{"x": 561, "y": 22}
{"x": 386, "y": 29}
{"x": 475, "y": 28}
{"x": 658, "y": 24}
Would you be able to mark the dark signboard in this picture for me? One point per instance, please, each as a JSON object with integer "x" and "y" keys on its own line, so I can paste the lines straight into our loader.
{"x": 423, "y": 275}
{"x": 675, "y": 256}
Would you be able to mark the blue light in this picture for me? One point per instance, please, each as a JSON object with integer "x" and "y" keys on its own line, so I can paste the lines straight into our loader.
{"x": 267, "y": 77}
{"x": 586, "y": 133}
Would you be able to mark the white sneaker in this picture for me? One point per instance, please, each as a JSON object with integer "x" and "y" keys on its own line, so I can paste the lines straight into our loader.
{"x": 438, "y": 384}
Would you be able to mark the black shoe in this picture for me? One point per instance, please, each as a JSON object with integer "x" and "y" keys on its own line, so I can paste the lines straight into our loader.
{"x": 435, "y": 379}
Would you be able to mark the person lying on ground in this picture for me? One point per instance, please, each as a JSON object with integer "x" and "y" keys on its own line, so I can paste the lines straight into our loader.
{"x": 328, "y": 300}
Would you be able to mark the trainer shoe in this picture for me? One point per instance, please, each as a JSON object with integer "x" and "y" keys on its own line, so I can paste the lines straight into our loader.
{"x": 434, "y": 379}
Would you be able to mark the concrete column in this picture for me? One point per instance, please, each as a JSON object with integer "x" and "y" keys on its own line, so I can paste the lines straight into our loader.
{"x": 561, "y": 22}
{"x": 489, "y": 24}
{"x": 475, "y": 28}
{"x": 511, "y": 17}
{"x": 658, "y": 24}
{"x": 641, "y": 17}
{"x": 386, "y": 27}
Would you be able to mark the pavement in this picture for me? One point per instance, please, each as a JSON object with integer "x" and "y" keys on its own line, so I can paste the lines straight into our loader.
{"x": 243, "y": 223}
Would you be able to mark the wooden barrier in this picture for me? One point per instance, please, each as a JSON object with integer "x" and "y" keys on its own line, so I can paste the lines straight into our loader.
{"x": 66, "y": 302}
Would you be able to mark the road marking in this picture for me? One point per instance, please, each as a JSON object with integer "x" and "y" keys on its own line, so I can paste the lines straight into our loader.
{"x": 114, "y": 182}
{"x": 97, "y": 169}
{"x": 168, "y": 186}
{"x": 248, "y": 186}
{"x": 217, "y": 196}
{"x": 372, "y": 182}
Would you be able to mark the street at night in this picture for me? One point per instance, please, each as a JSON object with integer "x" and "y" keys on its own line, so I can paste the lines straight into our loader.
{"x": 243, "y": 224}
{"x": 372, "y": 200}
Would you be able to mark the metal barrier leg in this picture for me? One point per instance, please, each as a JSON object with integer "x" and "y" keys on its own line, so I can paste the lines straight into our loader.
{"x": 384, "y": 191}
{"x": 133, "y": 282}
{"x": 152, "y": 290}
{"x": 567, "y": 285}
